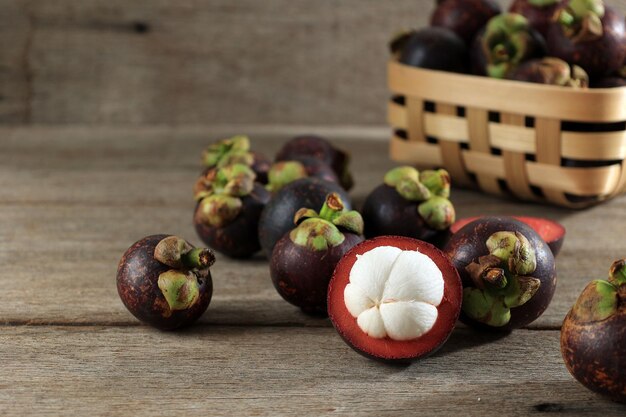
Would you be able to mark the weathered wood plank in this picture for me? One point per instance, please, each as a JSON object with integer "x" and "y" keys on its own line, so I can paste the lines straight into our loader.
{"x": 77, "y": 204}
{"x": 195, "y": 61}
{"x": 279, "y": 371}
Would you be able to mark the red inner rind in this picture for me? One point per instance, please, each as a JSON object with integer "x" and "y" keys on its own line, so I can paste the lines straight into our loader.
{"x": 388, "y": 349}
{"x": 549, "y": 230}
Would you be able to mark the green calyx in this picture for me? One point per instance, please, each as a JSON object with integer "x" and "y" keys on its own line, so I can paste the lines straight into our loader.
{"x": 179, "y": 285}
{"x": 431, "y": 188}
{"x": 555, "y": 71}
{"x": 219, "y": 193}
{"x": 283, "y": 173}
{"x": 581, "y": 20}
{"x": 180, "y": 289}
{"x": 320, "y": 231}
{"x": 506, "y": 43}
{"x": 601, "y": 299}
{"x": 234, "y": 150}
{"x": 501, "y": 279}
{"x": 543, "y": 3}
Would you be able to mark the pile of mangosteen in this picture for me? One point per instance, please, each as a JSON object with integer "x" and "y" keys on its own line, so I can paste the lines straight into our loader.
{"x": 570, "y": 43}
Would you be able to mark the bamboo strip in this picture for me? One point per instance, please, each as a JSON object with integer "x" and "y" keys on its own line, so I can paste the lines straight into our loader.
{"x": 421, "y": 154}
{"x": 598, "y": 105}
{"x": 446, "y": 127}
{"x": 415, "y": 125}
{"x": 549, "y": 152}
{"x": 451, "y": 153}
{"x": 515, "y": 163}
{"x": 479, "y": 136}
{"x": 577, "y": 181}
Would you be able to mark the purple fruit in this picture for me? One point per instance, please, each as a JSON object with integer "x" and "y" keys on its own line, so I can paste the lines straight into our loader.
{"x": 236, "y": 150}
{"x": 285, "y": 172}
{"x": 437, "y": 49}
{"x": 464, "y": 17}
{"x": 304, "y": 259}
{"x": 552, "y": 71}
{"x": 506, "y": 41}
{"x": 589, "y": 34}
{"x": 228, "y": 210}
{"x": 538, "y": 12}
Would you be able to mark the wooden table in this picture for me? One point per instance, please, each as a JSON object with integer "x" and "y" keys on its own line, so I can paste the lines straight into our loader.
{"x": 73, "y": 199}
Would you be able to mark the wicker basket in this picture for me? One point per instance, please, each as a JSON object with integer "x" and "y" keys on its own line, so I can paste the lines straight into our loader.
{"x": 536, "y": 142}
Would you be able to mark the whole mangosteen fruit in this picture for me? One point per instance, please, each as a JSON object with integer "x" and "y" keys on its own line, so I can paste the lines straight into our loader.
{"x": 165, "y": 282}
{"x": 277, "y": 216}
{"x": 236, "y": 150}
{"x": 538, "y": 12}
{"x": 552, "y": 71}
{"x": 613, "y": 81}
{"x": 593, "y": 335}
{"x": 319, "y": 148}
{"x": 435, "y": 48}
{"x": 304, "y": 259}
{"x": 589, "y": 34}
{"x": 552, "y": 232}
{"x": 229, "y": 206}
{"x": 508, "y": 272}
{"x": 464, "y": 17}
{"x": 285, "y": 172}
{"x": 506, "y": 41}
{"x": 410, "y": 204}
{"x": 394, "y": 298}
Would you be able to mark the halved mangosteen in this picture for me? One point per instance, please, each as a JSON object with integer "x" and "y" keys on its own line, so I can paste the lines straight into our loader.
{"x": 552, "y": 232}
{"x": 394, "y": 298}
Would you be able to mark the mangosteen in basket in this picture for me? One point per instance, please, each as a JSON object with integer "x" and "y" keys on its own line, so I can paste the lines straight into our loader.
{"x": 228, "y": 210}
{"x": 552, "y": 71}
{"x": 464, "y": 17}
{"x": 616, "y": 80}
{"x": 277, "y": 216}
{"x": 165, "y": 282}
{"x": 508, "y": 272}
{"x": 538, "y": 12}
{"x": 236, "y": 150}
{"x": 435, "y": 48}
{"x": 589, "y": 34}
{"x": 398, "y": 43}
{"x": 506, "y": 41}
{"x": 304, "y": 259}
{"x": 410, "y": 204}
{"x": 317, "y": 147}
{"x": 593, "y": 335}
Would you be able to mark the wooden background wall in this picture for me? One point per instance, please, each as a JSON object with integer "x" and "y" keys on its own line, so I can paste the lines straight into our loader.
{"x": 199, "y": 62}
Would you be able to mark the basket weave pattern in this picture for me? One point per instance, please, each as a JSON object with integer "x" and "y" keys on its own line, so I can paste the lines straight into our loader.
{"x": 539, "y": 143}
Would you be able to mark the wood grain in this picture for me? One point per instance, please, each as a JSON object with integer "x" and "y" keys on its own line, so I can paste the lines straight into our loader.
{"x": 279, "y": 371}
{"x": 78, "y": 204}
{"x": 196, "y": 61}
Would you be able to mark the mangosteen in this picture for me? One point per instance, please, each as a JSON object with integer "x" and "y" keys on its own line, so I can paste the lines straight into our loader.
{"x": 552, "y": 71}
{"x": 228, "y": 210}
{"x": 506, "y": 41}
{"x": 589, "y": 34}
{"x": 236, "y": 150}
{"x": 304, "y": 259}
{"x": 285, "y": 172}
{"x": 165, "y": 282}
{"x": 593, "y": 335}
{"x": 277, "y": 216}
{"x": 609, "y": 82}
{"x": 395, "y": 298}
{"x": 538, "y": 12}
{"x": 410, "y": 204}
{"x": 319, "y": 148}
{"x": 435, "y": 48}
{"x": 399, "y": 42}
{"x": 464, "y": 17}
{"x": 508, "y": 272}
{"x": 552, "y": 232}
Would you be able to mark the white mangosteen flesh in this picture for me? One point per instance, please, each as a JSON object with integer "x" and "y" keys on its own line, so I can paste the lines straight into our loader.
{"x": 394, "y": 293}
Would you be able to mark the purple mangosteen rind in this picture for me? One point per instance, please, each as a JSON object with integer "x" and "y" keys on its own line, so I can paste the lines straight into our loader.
{"x": 593, "y": 335}
{"x": 277, "y": 217}
{"x": 551, "y": 71}
{"x": 410, "y": 203}
{"x": 435, "y": 48}
{"x": 304, "y": 259}
{"x": 321, "y": 149}
{"x": 464, "y": 17}
{"x": 589, "y": 34}
{"x": 300, "y": 166}
{"x": 538, "y": 12}
{"x": 165, "y": 295}
{"x": 507, "y": 41}
{"x": 528, "y": 286}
